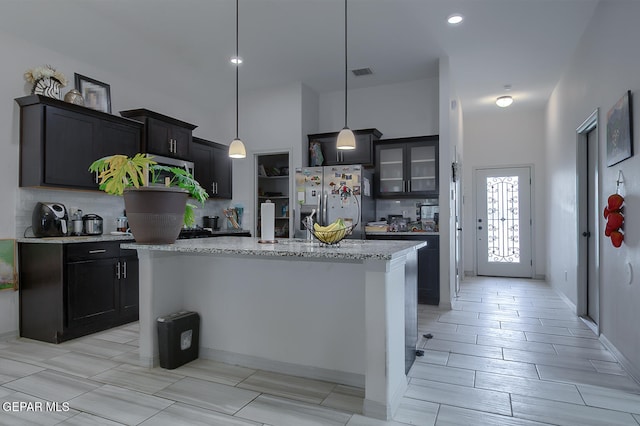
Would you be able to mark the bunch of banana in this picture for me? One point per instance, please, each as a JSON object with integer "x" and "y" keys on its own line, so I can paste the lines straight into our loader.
{"x": 331, "y": 233}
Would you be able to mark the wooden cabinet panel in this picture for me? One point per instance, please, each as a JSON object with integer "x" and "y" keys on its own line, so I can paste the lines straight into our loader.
{"x": 92, "y": 290}
{"x": 68, "y": 150}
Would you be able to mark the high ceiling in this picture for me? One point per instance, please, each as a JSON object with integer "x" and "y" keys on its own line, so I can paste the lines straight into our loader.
{"x": 522, "y": 43}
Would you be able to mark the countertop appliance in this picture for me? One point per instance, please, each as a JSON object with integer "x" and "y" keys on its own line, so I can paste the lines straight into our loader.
{"x": 322, "y": 189}
{"x": 92, "y": 224}
{"x": 49, "y": 220}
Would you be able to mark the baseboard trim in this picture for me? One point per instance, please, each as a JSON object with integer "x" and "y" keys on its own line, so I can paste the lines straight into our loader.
{"x": 631, "y": 369}
{"x": 259, "y": 363}
{"x": 566, "y": 300}
{"x": 9, "y": 335}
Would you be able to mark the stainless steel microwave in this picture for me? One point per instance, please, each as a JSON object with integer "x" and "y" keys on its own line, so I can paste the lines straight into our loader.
{"x": 171, "y": 162}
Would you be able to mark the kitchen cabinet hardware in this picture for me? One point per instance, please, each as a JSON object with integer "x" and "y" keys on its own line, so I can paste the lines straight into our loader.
{"x": 118, "y": 270}
{"x": 97, "y": 251}
{"x": 407, "y": 167}
{"x": 363, "y": 154}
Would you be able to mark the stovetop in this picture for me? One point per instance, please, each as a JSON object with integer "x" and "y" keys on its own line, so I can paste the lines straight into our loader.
{"x": 186, "y": 234}
{"x": 198, "y": 232}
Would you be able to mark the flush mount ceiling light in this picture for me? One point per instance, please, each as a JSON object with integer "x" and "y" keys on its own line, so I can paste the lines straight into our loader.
{"x": 346, "y": 138}
{"x": 236, "y": 60}
{"x": 454, "y": 19}
{"x": 236, "y": 148}
{"x": 504, "y": 101}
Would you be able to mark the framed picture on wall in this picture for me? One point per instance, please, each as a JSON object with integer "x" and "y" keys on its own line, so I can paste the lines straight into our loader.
{"x": 96, "y": 94}
{"x": 620, "y": 131}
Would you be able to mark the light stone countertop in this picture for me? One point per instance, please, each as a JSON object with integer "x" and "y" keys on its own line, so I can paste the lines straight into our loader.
{"x": 247, "y": 246}
{"x": 76, "y": 239}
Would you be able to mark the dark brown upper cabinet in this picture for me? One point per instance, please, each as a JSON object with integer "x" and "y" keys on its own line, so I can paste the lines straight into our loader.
{"x": 407, "y": 167}
{"x": 363, "y": 154}
{"x": 59, "y": 140}
{"x": 163, "y": 135}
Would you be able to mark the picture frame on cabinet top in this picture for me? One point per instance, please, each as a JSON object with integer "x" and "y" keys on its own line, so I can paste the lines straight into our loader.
{"x": 96, "y": 94}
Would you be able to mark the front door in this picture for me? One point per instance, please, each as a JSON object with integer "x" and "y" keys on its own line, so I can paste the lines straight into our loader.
{"x": 503, "y": 222}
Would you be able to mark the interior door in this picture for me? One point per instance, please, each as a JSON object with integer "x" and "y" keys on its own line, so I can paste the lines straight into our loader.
{"x": 503, "y": 222}
{"x": 593, "y": 296}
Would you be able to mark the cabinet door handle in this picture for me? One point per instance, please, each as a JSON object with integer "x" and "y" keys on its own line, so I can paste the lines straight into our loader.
{"x": 97, "y": 251}
{"x": 118, "y": 270}
{"x": 124, "y": 270}
{"x": 175, "y": 146}
{"x": 97, "y": 178}
{"x": 215, "y": 191}
{"x": 170, "y": 145}
{"x": 409, "y": 186}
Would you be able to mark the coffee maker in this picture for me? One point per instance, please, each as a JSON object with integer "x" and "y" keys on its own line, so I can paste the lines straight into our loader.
{"x": 49, "y": 220}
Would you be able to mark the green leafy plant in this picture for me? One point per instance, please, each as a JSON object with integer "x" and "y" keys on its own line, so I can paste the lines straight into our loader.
{"x": 117, "y": 172}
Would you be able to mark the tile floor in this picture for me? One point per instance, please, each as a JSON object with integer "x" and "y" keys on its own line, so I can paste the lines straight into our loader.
{"x": 509, "y": 353}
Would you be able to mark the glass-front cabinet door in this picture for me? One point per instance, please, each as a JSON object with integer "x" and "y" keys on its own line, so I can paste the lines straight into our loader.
{"x": 391, "y": 170}
{"x": 422, "y": 168}
{"x": 407, "y": 167}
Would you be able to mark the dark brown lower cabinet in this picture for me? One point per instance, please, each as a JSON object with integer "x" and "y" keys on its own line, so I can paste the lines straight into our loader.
{"x": 71, "y": 290}
{"x": 428, "y": 264}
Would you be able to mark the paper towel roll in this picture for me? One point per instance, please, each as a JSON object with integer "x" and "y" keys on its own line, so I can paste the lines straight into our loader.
{"x": 267, "y": 220}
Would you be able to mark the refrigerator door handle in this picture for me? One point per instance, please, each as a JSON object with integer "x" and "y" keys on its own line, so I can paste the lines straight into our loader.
{"x": 325, "y": 199}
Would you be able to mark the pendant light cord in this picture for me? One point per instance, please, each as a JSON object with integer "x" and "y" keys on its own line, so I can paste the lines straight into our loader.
{"x": 237, "y": 66}
{"x": 345, "y": 63}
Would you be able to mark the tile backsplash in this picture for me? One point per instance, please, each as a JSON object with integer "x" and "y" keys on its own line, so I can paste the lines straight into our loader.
{"x": 108, "y": 207}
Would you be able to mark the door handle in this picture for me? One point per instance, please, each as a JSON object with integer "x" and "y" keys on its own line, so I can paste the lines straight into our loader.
{"x": 118, "y": 270}
{"x": 97, "y": 251}
{"x": 586, "y": 234}
{"x": 124, "y": 270}
{"x": 479, "y": 227}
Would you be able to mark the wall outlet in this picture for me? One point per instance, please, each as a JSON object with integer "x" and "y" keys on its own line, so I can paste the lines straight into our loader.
{"x": 566, "y": 276}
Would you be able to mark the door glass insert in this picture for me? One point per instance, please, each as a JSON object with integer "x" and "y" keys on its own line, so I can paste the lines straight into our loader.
{"x": 391, "y": 170}
{"x": 503, "y": 219}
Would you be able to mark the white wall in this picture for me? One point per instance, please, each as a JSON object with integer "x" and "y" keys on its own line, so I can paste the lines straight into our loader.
{"x": 604, "y": 66}
{"x": 270, "y": 122}
{"x": 505, "y": 137}
{"x": 397, "y": 110}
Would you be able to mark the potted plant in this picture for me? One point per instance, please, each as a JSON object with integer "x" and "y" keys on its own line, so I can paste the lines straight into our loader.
{"x": 156, "y": 209}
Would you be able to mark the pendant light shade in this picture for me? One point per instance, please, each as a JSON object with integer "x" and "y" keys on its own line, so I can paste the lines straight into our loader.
{"x": 236, "y": 149}
{"x": 346, "y": 138}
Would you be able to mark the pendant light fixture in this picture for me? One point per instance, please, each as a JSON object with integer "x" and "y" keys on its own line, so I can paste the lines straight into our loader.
{"x": 346, "y": 138}
{"x": 236, "y": 149}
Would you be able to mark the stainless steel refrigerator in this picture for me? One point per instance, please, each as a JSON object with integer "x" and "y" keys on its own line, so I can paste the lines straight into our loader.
{"x": 334, "y": 192}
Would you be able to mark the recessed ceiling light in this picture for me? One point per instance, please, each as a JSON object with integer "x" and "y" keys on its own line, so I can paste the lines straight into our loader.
{"x": 504, "y": 101}
{"x": 236, "y": 60}
{"x": 454, "y": 19}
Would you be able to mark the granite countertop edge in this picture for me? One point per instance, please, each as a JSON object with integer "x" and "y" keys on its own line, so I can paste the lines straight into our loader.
{"x": 285, "y": 248}
{"x": 76, "y": 239}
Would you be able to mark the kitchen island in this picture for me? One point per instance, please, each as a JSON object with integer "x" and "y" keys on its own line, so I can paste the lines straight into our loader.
{"x": 330, "y": 313}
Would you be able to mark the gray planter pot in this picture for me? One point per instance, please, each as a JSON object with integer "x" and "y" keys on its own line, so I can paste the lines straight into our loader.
{"x": 155, "y": 213}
